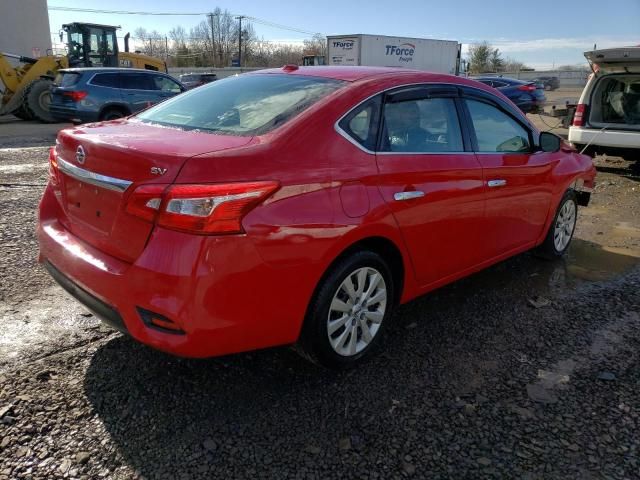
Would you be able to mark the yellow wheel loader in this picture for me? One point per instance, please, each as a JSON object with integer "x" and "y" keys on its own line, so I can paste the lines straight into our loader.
{"x": 26, "y": 87}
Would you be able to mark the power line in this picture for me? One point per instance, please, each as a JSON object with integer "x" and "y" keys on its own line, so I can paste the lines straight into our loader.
{"x": 123, "y": 12}
{"x": 260, "y": 21}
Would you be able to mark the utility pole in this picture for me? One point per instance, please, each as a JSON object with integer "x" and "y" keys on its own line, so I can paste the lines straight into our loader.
{"x": 239, "y": 18}
{"x": 213, "y": 48}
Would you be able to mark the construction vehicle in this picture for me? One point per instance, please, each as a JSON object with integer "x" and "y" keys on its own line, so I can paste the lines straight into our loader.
{"x": 26, "y": 87}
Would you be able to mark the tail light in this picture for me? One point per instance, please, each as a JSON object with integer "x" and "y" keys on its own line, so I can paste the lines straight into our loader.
{"x": 527, "y": 88}
{"x": 203, "y": 209}
{"x": 578, "y": 116}
{"x": 76, "y": 96}
{"x": 145, "y": 201}
{"x": 53, "y": 166}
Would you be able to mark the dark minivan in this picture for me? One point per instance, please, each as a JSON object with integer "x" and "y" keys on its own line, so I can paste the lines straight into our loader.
{"x": 92, "y": 94}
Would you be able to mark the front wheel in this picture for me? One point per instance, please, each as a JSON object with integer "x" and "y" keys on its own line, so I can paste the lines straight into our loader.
{"x": 561, "y": 230}
{"x": 349, "y": 312}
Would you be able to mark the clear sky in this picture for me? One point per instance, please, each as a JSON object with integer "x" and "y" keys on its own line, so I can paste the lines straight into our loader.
{"x": 541, "y": 33}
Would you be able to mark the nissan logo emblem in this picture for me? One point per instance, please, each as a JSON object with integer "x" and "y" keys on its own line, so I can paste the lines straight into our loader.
{"x": 80, "y": 156}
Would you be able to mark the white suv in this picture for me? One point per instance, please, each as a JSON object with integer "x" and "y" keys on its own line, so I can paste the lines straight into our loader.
{"x": 608, "y": 114}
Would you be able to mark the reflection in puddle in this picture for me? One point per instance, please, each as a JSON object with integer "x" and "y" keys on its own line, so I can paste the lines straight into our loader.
{"x": 585, "y": 261}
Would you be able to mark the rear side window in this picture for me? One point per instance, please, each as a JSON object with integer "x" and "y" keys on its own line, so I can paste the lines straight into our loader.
{"x": 496, "y": 131}
{"x": 250, "y": 104}
{"x": 106, "y": 80}
{"x": 67, "y": 79}
{"x": 137, "y": 81}
{"x": 361, "y": 124}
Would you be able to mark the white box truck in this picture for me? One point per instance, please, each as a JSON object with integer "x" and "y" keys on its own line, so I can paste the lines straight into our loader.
{"x": 442, "y": 56}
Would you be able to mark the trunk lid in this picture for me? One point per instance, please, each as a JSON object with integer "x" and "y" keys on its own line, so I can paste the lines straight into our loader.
{"x": 615, "y": 59}
{"x": 102, "y": 164}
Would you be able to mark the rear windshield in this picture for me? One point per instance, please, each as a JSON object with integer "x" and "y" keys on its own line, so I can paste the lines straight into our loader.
{"x": 188, "y": 78}
{"x": 243, "y": 105}
{"x": 66, "y": 79}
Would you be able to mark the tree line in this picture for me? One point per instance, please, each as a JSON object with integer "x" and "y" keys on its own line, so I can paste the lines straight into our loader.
{"x": 215, "y": 42}
{"x": 484, "y": 58}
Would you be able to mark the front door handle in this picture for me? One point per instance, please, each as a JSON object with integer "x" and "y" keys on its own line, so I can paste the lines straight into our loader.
{"x": 498, "y": 182}
{"x": 408, "y": 195}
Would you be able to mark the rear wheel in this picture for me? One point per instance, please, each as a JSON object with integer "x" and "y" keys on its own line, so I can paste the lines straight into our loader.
{"x": 349, "y": 312}
{"x": 112, "y": 114}
{"x": 561, "y": 230}
{"x": 37, "y": 100}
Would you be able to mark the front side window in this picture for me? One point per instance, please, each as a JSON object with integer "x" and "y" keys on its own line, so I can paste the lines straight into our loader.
{"x": 165, "y": 84}
{"x": 428, "y": 125}
{"x": 251, "y": 104}
{"x": 496, "y": 131}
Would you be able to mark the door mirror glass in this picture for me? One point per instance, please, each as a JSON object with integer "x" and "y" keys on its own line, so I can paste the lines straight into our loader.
{"x": 549, "y": 142}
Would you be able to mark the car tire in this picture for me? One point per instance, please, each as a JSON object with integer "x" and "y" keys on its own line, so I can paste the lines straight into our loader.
{"x": 349, "y": 312}
{"x": 561, "y": 230}
{"x": 112, "y": 114}
{"x": 37, "y": 99}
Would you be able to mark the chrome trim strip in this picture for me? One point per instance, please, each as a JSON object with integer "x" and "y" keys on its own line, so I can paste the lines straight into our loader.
{"x": 104, "y": 181}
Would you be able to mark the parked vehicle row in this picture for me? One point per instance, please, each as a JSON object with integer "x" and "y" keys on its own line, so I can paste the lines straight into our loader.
{"x": 300, "y": 206}
{"x": 528, "y": 96}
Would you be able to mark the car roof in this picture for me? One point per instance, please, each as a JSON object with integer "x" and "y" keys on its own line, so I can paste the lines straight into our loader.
{"x": 349, "y": 74}
{"x": 109, "y": 70}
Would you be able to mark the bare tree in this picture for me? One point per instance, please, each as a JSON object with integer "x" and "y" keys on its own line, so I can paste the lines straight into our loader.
{"x": 316, "y": 45}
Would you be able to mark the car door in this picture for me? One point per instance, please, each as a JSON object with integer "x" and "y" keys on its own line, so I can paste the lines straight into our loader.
{"x": 138, "y": 90}
{"x": 517, "y": 178}
{"x": 431, "y": 180}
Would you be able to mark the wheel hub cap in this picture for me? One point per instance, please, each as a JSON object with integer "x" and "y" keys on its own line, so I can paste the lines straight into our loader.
{"x": 357, "y": 311}
{"x": 565, "y": 223}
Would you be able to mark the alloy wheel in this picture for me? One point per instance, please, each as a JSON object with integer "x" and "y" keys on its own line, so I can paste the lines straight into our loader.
{"x": 357, "y": 311}
{"x": 565, "y": 223}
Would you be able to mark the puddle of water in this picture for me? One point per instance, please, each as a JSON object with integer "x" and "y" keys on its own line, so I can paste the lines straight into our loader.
{"x": 592, "y": 262}
{"x": 585, "y": 262}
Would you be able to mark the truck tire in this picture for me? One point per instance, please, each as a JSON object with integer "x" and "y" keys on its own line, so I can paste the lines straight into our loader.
{"x": 38, "y": 98}
{"x": 22, "y": 113}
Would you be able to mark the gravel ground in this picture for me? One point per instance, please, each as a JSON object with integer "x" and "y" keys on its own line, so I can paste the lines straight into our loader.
{"x": 529, "y": 369}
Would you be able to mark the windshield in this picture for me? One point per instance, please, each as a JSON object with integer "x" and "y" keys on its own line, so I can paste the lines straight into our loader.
{"x": 243, "y": 105}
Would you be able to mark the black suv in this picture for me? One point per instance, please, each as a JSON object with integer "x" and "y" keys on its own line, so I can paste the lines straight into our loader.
{"x": 193, "y": 80}
{"x": 92, "y": 94}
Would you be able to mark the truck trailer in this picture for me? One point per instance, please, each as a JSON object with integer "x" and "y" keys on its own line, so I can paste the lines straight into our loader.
{"x": 442, "y": 56}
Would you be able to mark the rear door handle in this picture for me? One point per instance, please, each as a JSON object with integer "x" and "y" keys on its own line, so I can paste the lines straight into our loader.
{"x": 408, "y": 195}
{"x": 498, "y": 182}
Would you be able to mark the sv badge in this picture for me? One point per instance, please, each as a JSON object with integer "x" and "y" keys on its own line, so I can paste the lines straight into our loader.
{"x": 158, "y": 171}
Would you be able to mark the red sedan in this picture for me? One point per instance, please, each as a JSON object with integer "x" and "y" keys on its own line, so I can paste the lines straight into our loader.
{"x": 300, "y": 206}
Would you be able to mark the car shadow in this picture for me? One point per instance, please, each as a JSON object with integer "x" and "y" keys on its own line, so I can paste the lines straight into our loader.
{"x": 271, "y": 412}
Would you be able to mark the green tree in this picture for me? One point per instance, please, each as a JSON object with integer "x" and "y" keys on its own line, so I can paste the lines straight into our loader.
{"x": 479, "y": 57}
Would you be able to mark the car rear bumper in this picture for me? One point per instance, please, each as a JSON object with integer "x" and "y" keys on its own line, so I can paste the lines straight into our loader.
{"x": 68, "y": 113}
{"x": 606, "y": 138}
{"x": 217, "y": 293}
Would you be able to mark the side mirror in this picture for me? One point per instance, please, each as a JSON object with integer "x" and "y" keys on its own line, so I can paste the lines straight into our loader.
{"x": 550, "y": 142}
